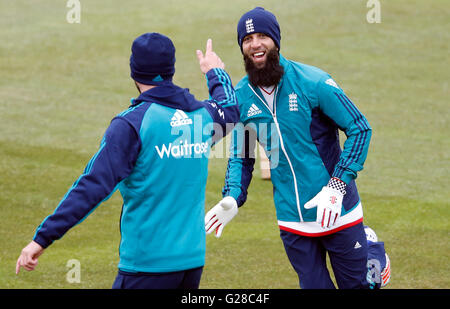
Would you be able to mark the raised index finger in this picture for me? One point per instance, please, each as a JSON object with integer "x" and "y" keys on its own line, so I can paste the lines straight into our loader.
{"x": 209, "y": 45}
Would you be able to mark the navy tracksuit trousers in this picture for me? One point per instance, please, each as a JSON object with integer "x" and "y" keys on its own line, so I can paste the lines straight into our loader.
{"x": 187, "y": 279}
{"x": 348, "y": 253}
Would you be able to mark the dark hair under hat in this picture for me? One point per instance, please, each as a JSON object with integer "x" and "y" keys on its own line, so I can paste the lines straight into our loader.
{"x": 152, "y": 59}
{"x": 259, "y": 20}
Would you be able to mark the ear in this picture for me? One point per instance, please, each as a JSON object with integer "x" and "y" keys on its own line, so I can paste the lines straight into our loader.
{"x": 137, "y": 86}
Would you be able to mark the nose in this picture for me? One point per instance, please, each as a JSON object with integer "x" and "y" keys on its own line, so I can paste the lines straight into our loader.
{"x": 255, "y": 43}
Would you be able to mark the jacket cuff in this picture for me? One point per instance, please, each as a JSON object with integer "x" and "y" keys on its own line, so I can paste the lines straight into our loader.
{"x": 344, "y": 175}
{"x": 337, "y": 184}
{"x": 44, "y": 243}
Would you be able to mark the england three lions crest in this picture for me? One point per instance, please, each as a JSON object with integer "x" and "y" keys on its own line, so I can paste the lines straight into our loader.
{"x": 249, "y": 25}
{"x": 293, "y": 104}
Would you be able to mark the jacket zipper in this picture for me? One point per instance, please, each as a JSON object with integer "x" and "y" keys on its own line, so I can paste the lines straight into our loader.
{"x": 274, "y": 116}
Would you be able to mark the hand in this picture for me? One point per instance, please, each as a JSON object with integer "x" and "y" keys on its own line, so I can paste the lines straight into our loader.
{"x": 220, "y": 215}
{"x": 210, "y": 60}
{"x": 28, "y": 259}
{"x": 329, "y": 204}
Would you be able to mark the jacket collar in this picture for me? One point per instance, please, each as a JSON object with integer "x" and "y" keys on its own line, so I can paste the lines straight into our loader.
{"x": 170, "y": 95}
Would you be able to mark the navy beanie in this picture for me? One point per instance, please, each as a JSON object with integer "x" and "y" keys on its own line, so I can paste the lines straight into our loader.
{"x": 152, "y": 59}
{"x": 261, "y": 21}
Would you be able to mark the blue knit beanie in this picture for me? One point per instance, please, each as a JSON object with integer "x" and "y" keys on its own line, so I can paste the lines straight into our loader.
{"x": 152, "y": 59}
{"x": 261, "y": 21}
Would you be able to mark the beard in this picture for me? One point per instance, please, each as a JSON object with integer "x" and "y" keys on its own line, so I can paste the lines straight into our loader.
{"x": 268, "y": 75}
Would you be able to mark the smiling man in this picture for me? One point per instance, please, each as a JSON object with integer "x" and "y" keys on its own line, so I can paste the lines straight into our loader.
{"x": 295, "y": 112}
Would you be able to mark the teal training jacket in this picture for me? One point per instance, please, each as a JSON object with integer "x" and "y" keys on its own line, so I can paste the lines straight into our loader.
{"x": 300, "y": 137}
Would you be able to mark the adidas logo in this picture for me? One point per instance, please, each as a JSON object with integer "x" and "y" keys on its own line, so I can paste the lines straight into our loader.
{"x": 357, "y": 245}
{"x": 253, "y": 110}
{"x": 179, "y": 119}
{"x": 331, "y": 82}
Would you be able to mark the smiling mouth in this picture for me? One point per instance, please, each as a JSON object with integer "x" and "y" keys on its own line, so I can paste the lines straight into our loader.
{"x": 258, "y": 55}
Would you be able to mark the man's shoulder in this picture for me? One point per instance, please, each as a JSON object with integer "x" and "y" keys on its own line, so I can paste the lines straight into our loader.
{"x": 309, "y": 79}
{"x": 135, "y": 110}
{"x": 242, "y": 84}
{"x": 243, "y": 91}
{"x": 307, "y": 73}
{"x": 134, "y": 114}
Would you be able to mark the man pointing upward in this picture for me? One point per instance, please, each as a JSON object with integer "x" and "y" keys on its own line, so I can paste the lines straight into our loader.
{"x": 162, "y": 222}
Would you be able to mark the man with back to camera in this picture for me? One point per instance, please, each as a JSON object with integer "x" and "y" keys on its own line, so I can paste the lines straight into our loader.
{"x": 294, "y": 111}
{"x": 149, "y": 152}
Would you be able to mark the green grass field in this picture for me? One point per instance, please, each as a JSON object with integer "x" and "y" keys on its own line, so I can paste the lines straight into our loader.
{"x": 62, "y": 83}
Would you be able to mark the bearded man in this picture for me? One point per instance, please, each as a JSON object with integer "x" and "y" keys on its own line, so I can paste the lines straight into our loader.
{"x": 295, "y": 111}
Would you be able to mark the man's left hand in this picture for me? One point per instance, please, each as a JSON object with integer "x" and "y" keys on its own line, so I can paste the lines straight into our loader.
{"x": 329, "y": 204}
